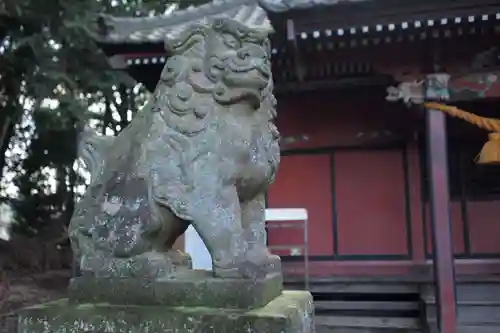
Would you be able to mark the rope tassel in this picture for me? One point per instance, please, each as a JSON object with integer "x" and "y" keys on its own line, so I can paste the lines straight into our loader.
{"x": 490, "y": 153}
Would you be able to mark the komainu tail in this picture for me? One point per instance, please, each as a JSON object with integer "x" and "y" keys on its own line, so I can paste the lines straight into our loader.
{"x": 92, "y": 149}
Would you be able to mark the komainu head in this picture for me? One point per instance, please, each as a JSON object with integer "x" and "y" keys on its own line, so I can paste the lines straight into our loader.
{"x": 223, "y": 58}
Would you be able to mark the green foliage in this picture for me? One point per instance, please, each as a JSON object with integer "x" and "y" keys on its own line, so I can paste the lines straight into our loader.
{"x": 47, "y": 54}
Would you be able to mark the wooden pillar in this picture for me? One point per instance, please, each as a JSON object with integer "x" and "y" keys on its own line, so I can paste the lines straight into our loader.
{"x": 292, "y": 39}
{"x": 437, "y": 152}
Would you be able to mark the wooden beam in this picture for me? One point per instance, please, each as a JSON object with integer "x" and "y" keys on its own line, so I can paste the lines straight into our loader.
{"x": 371, "y": 13}
{"x": 305, "y": 86}
{"x": 152, "y": 72}
{"x": 437, "y": 150}
{"x": 291, "y": 36}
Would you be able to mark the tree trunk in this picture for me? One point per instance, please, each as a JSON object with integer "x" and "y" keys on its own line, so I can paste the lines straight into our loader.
{"x": 6, "y": 132}
{"x": 123, "y": 107}
{"x": 108, "y": 116}
{"x": 9, "y": 116}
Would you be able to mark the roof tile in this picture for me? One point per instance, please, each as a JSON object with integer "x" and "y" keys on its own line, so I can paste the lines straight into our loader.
{"x": 136, "y": 30}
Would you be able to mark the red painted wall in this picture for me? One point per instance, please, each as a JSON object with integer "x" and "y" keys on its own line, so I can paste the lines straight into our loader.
{"x": 484, "y": 226}
{"x": 304, "y": 182}
{"x": 415, "y": 198}
{"x": 457, "y": 228}
{"x": 370, "y": 203}
{"x": 341, "y": 119}
{"x": 478, "y": 222}
{"x": 374, "y": 212}
{"x": 369, "y": 195}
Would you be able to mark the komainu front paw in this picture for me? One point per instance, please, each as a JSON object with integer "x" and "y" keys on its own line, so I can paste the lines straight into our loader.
{"x": 260, "y": 262}
{"x": 256, "y": 264}
{"x": 179, "y": 258}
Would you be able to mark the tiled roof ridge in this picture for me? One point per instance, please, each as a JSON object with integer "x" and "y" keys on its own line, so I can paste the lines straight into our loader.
{"x": 127, "y": 25}
{"x": 183, "y": 15}
{"x": 128, "y": 29}
{"x": 155, "y": 29}
{"x": 215, "y": 6}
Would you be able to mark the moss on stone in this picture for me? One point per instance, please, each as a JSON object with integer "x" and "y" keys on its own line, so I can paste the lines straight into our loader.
{"x": 292, "y": 312}
{"x": 196, "y": 289}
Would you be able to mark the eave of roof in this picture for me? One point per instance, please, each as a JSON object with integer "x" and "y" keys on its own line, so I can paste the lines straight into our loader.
{"x": 285, "y": 5}
{"x": 136, "y": 30}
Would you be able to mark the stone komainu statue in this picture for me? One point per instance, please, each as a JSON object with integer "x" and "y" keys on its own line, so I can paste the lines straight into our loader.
{"x": 203, "y": 152}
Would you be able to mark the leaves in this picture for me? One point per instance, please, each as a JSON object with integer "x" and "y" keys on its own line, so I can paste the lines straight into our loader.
{"x": 53, "y": 79}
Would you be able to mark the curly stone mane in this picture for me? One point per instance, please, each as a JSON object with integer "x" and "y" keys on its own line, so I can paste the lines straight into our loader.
{"x": 213, "y": 67}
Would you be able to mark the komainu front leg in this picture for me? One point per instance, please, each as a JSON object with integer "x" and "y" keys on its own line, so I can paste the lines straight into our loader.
{"x": 217, "y": 219}
{"x": 254, "y": 225}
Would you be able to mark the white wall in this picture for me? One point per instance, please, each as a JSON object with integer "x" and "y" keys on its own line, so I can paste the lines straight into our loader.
{"x": 200, "y": 256}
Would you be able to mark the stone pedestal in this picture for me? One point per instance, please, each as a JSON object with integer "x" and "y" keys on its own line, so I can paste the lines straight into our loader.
{"x": 193, "y": 288}
{"x": 291, "y": 312}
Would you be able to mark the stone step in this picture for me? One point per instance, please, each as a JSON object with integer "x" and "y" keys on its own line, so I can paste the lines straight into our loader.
{"x": 336, "y": 323}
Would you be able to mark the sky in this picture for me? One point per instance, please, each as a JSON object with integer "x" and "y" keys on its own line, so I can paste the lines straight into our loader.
{"x": 5, "y": 220}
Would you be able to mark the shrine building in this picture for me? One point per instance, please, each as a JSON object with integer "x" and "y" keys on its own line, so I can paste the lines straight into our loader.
{"x": 366, "y": 169}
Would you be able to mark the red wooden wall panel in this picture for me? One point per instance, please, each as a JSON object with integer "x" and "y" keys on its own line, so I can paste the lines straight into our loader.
{"x": 415, "y": 194}
{"x": 346, "y": 119}
{"x": 457, "y": 228}
{"x": 484, "y": 226}
{"x": 303, "y": 181}
{"x": 370, "y": 191}
{"x": 370, "y": 203}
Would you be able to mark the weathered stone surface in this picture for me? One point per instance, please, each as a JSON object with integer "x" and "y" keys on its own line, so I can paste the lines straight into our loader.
{"x": 198, "y": 288}
{"x": 292, "y": 312}
{"x": 202, "y": 152}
